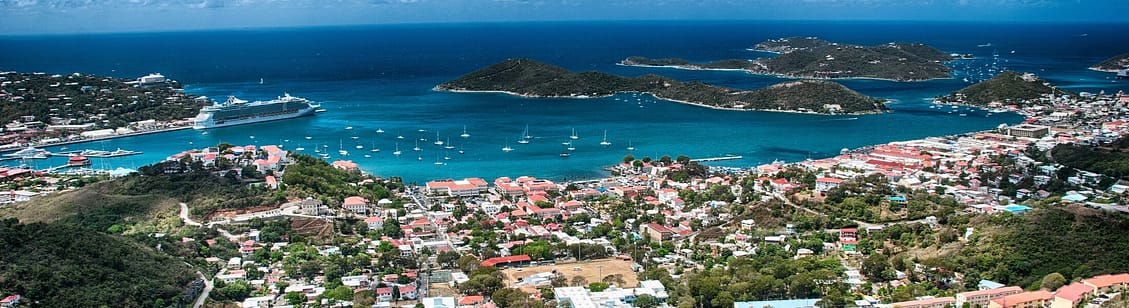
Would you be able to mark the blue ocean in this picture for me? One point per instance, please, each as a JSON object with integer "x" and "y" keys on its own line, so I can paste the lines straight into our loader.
{"x": 381, "y": 77}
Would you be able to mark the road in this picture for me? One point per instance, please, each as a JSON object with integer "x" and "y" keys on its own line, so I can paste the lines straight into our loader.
{"x": 203, "y": 295}
{"x": 190, "y": 222}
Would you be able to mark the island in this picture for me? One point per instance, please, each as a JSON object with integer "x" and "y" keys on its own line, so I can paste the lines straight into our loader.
{"x": 1117, "y": 64}
{"x": 1007, "y": 88}
{"x": 530, "y": 78}
{"x": 809, "y": 57}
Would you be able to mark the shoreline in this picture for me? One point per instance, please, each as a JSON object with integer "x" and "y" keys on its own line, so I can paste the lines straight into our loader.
{"x": 778, "y": 75}
{"x": 1098, "y": 69}
{"x": 93, "y": 139}
{"x": 439, "y": 89}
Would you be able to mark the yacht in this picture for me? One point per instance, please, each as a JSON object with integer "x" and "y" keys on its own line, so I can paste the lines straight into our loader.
{"x": 464, "y": 135}
{"x": 573, "y": 136}
{"x": 507, "y": 148}
{"x": 525, "y": 135}
{"x": 605, "y": 142}
{"x": 437, "y": 140}
{"x": 570, "y": 147}
{"x": 397, "y": 152}
{"x": 629, "y": 146}
{"x": 449, "y": 145}
{"x": 379, "y": 131}
{"x": 417, "y": 149}
{"x": 565, "y": 154}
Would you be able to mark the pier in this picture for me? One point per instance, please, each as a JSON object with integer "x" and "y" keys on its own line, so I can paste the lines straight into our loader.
{"x": 734, "y": 157}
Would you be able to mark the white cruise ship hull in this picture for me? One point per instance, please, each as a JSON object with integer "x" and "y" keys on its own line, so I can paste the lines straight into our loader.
{"x": 206, "y": 122}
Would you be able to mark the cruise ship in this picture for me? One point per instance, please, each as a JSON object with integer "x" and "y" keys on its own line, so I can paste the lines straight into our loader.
{"x": 236, "y": 111}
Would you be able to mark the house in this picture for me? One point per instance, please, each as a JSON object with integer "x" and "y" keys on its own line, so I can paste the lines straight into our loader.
{"x": 384, "y": 294}
{"x": 10, "y": 301}
{"x": 1070, "y": 296}
{"x": 459, "y": 188}
{"x": 1107, "y": 283}
{"x": 656, "y": 232}
{"x": 510, "y": 261}
{"x": 940, "y": 302}
{"x": 233, "y": 276}
{"x": 824, "y": 184}
{"x": 311, "y": 206}
{"x": 438, "y": 302}
{"x": 346, "y": 165}
{"x": 374, "y": 223}
{"x": 408, "y": 292}
{"x": 1033, "y": 299}
{"x": 471, "y": 301}
{"x": 356, "y": 204}
{"x": 272, "y": 183}
{"x": 983, "y": 297}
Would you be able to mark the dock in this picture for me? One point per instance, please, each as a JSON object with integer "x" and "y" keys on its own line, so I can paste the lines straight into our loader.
{"x": 734, "y": 157}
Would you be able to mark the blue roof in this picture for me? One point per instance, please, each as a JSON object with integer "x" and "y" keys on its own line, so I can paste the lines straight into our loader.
{"x": 790, "y": 303}
{"x": 1074, "y": 198}
{"x": 988, "y": 284}
{"x": 1017, "y": 208}
{"x": 898, "y": 198}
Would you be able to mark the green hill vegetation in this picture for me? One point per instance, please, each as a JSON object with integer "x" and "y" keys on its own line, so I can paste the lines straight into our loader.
{"x": 1113, "y": 64}
{"x": 64, "y": 265}
{"x": 815, "y": 58}
{"x": 531, "y": 78}
{"x": 79, "y": 99}
{"x": 1111, "y": 160}
{"x": 1074, "y": 241}
{"x": 1006, "y": 88}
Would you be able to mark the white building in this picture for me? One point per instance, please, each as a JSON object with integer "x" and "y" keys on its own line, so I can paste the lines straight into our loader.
{"x": 581, "y": 297}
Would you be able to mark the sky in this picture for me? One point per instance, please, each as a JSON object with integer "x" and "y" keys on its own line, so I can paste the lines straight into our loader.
{"x": 21, "y": 17}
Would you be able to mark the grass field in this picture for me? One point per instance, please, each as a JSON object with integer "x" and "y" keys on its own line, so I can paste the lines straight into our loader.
{"x": 590, "y": 270}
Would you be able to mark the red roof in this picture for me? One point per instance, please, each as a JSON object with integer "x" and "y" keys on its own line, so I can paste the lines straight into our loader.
{"x": 1074, "y": 292}
{"x": 502, "y": 260}
{"x": 829, "y": 180}
{"x": 470, "y": 300}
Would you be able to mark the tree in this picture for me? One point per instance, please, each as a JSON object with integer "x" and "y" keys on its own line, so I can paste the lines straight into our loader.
{"x": 597, "y": 286}
{"x": 1053, "y": 281}
{"x": 467, "y": 263}
{"x": 448, "y": 259}
{"x": 509, "y": 297}
{"x": 875, "y": 267}
{"x": 364, "y": 298}
{"x": 646, "y": 301}
{"x": 723, "y": 299}
{"x": 295, "y": 298}
{"x": 628, "y": 158}
{"x": 579, "y": 281}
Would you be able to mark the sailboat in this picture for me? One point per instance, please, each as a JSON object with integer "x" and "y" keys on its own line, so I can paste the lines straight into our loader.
{"x": 398, "y": 135}
{"x": 573, "y": 136}
{"x": 570, "y": 147}
{"x": 437, "y": 140}
{"x": 379, "y": 131}
{"x": 464, "y": 135}
{"x": 507, "y": 148}
{"x": 261, "y": 81}
{"x": 605, "y": 142}
{"x": 341, "y": 150}
{"x": 437, "y": 162}
{"x": 525, "y": 134}
{"x": 461, "y": 150}
{"x": 629, "y": 146}
{"x": 417, "y": 147}
{"x": 374, "y": 148}
{"x": 397, "y": 152}
{"x": 449, "y": 145}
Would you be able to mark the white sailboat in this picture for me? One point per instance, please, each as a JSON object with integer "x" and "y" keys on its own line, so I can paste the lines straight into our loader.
{"x": 398, "y": 135}
{"x": 570, "y": 147}
{"x": 449, "y": 145}
{"x": 605, "y": 142}
{"x": 437, "y": 162}
{"x": 379, "y": 131}
{"x": 525, "y": 134}
{"x": 341, "y": 150}
{"x": 437, "y": 140}
{"x": 417, "y": 149}
{"x": 464, "y": 135}
{"x": 573, "y": 136}
{"x": 507, "y": 148}
{"x": 397, "y": 152}
{"x": 629, "y": 146}
{"x": 374, "y": 148}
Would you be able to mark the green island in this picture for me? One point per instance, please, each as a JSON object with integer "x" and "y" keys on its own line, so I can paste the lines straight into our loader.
{"x": 1113, "y": 64}
{"x": 530, "y": 78}
{"x": 807, "y": 57}
{"x": 1007, "y": 88}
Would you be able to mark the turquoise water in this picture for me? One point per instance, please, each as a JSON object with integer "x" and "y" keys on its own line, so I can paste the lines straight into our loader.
{"x": 373, "y": 78}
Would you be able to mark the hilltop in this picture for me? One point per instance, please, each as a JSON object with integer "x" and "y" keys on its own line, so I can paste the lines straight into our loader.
{"x": 815, "y": 58}
{"x": 1113, "y": 64}
{"x": 530, "y": 78}
{"x": 1006, "y": 88}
